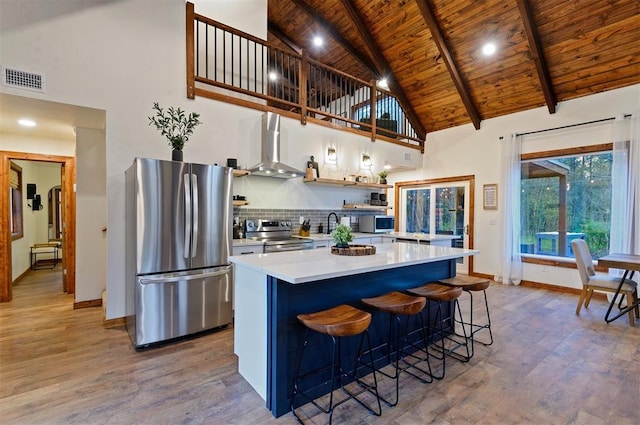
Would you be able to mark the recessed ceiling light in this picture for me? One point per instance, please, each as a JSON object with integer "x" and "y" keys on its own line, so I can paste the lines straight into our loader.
{"x": 489, "y": 49}
{"x": 25, "y": 122}
{"x": 318, "y": 41}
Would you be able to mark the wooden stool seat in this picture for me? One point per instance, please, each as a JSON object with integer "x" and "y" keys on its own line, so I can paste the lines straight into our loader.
{"x": 468, "y": 283}
{"x": 437, "y": 292}
{"x": 399, "y": 347}
{"x": 336, "y": 322}
{"x": 342, "y": 320}
{"x": 396, "y": 303}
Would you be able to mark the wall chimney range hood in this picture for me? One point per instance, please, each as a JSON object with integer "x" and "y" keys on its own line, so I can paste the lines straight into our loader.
{"x": 271, "y": 165}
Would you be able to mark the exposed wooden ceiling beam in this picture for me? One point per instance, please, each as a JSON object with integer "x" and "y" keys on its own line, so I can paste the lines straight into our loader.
{"x": 335, "y": 34}
{"x": 280, "y": 35}
{"x": 384, "y": 68}
{"x": 535, "y": 47}
{"x": 430, "y": 19}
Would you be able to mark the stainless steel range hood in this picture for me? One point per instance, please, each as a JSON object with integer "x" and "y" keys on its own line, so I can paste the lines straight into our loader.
{"x": 271, "y": 165}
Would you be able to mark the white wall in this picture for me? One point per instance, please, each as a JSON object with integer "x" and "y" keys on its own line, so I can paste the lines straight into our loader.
{"x": 116, "y": 56}
{"x": 18, "y": 143}
{"x": 45, "y": 176}
{"x": 463, "y": 151}
{"x": 91, "y": 214}
{"x": 298, "y": 144}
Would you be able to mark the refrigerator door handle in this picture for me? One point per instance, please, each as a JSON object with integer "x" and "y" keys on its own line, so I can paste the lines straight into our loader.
{"x": 187, "y": 214}
{"x": 194, "y": 188}
{"x": 172, "y": 277}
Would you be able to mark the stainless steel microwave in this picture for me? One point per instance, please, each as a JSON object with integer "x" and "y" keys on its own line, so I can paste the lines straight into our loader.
{"x": 376, "y": 223}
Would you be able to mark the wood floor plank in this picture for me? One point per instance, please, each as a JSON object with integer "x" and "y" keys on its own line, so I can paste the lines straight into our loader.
{"x": 547, "y": 366}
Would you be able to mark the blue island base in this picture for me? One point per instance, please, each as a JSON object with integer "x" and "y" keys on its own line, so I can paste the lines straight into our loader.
{"x": 285, "y": 334}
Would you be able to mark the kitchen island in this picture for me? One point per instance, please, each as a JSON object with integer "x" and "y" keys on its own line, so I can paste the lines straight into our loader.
{"x": 426, "y": 238}
{"x": 271, "y": 289}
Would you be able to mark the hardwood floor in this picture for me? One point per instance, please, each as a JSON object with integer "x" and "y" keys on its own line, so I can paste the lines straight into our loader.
{"x": 547, "y": 366}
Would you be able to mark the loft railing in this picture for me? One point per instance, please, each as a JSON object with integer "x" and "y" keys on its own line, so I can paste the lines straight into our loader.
{"x": 229, "y": 65}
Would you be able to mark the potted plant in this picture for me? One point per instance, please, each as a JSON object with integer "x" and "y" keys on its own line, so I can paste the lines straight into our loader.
{"x": 383, "y": 176}
{"x": 342, "y": 236}
{"x": 175, "y": 125}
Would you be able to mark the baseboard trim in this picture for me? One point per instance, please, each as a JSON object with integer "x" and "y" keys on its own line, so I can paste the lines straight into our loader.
{"x": 548, "y": 286}
{"x": 482, "y": 275}
{"x": 87, "y": 304}
{"x": 19, "y": 278}
{"x": 551, "y": 287}
{"x": 114, "y": 323}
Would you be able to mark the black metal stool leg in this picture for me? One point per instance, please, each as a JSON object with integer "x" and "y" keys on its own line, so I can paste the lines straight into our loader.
{"x": 336, "y": 380}
{"x": 474, "y": 327}
{"x": 457, "y": 341}
{"x": 424, "y": 348}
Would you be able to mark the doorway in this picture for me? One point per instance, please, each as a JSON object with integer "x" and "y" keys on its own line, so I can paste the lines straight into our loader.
{"x": 68, "y": 219}
{"x": 439, "y": 206}
{"x": 54, "y": 213}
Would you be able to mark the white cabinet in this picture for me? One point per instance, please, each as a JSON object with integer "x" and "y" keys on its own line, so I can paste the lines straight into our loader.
{"x": 247, "y": 249}
{"x": 362, "y": 240}
{"x": 322, "y": 244}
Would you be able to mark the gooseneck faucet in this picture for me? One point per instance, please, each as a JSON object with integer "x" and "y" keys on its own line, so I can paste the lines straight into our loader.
{"x": 328, "y": 221}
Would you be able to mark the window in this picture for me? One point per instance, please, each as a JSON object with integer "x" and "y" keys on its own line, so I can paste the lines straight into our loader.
{"x": 565, "y": 198}
{"x": 389, "y": 114}
{"x": 15, "y": 202}
{"x": 437, "y": 207}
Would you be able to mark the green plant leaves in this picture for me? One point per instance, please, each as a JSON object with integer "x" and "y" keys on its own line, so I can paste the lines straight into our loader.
{"x": 174, "y": 124}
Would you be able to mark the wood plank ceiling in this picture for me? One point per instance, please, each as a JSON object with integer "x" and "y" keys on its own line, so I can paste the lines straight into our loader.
{"x": 430, "y": 51}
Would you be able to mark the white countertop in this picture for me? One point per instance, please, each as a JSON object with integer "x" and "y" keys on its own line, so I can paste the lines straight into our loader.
{"x": 420, "y": 236}
{"x": 313, "y": 237}
{"x": 328, "y": 237}
{"x": 394, "y": 235}
{"x": 245, "y": 242}
{"x": 317, "y": 264}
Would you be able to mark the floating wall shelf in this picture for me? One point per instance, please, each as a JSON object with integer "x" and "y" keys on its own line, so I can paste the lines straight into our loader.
{"x": 365, "y": 207}
{"x": 241, "y": 173}
{"x": 334, "y": 182}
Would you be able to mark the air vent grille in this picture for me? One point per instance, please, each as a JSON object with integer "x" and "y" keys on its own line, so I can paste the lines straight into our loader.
{"x": 21, "y": 79}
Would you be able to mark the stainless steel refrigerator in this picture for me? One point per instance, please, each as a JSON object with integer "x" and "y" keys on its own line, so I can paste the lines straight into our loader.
{"x": 178, "y": 239}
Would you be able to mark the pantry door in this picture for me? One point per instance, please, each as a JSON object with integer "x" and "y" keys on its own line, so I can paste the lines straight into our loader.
{"x": 438, "y": 207}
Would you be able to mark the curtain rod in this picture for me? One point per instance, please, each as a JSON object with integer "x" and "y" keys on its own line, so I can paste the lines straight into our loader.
{"x": 568, "y": 126}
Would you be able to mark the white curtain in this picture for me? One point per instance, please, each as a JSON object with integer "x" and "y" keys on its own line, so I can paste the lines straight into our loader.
{"x": 625, "y": 194}
{"x": 509, "y": 258}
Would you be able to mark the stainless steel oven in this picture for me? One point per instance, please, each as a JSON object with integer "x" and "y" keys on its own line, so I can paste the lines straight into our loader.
{"x": 276, "y": 235}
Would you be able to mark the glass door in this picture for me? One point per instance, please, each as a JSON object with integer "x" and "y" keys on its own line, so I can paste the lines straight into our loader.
{"x": 437, "y": 209}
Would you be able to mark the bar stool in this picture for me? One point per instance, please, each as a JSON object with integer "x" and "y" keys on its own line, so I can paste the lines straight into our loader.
{"x": 398, "y": 305}
{"x": 441, "y": 328}
{"x": 470, "y": 284}
{"x": 337, "y": 322}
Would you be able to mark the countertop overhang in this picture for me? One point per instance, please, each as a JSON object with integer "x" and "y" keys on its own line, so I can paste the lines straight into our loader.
{"x": 423, "y": 237}
{"x": 318, "y": 264}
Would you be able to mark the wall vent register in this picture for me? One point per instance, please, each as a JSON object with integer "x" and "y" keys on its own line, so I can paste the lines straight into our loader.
{"x": 22, "y": 79}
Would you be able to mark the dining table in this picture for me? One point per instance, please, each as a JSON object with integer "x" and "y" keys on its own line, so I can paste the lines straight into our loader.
{"x": 630, "y": 263}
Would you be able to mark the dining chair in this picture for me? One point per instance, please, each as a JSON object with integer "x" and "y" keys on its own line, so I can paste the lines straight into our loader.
{"x": 592, "y": 281}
